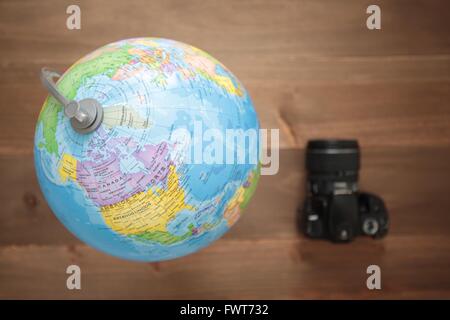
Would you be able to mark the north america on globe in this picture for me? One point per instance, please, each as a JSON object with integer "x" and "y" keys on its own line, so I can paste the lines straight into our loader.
{"x": 131, "y": 188}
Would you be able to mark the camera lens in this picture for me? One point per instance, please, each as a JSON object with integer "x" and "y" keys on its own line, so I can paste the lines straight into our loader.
{"x": 332, "y": 166}
{"x": 332, "y": 156}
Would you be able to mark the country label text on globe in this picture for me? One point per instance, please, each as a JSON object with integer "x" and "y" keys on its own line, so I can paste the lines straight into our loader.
{"x": 125, "y": 189}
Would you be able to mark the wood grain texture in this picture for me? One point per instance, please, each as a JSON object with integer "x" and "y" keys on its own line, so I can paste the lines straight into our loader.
{"x": 263, "y": 256}
{"x": 287, "y": 53}
{"x": 313, "y": 70}
{"x": 236, "y": 269}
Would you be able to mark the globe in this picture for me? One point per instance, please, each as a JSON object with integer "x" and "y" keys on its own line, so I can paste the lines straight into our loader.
{"x": 133, "y": 188}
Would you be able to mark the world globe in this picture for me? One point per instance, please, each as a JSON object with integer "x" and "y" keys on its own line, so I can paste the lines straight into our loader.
{"x": 131, "y": 188}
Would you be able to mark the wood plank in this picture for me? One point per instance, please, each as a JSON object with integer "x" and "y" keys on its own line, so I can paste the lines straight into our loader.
{"x": 283, "y": 69}
{"x": 378, "y": 114}
{"x": 252, "y": 269}
{"x": 288, "y": 53}
{"x": 413, "y": 182}
{"x": 314, "y": 28}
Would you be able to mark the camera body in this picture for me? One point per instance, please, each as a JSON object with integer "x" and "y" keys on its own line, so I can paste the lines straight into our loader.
{"x": 335, "y": 209}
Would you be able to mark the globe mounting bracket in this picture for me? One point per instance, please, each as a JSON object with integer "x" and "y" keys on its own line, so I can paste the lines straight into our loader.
{"x": 85, "y": 115}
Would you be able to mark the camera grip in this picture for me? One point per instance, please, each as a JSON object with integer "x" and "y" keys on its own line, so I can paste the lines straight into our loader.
{"x": 343, "y": 218}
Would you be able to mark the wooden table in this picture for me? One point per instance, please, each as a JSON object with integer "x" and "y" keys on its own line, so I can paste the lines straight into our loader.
{"x": 313, "y": 70}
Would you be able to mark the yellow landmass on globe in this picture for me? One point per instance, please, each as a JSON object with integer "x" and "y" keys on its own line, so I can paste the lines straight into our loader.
{"x": 227, "y": 84}
{"x": 68, "y": 167}
{"x": 241, "y": 197}
{"x": 148, "y": 211}
{"x": 233, "y": 209}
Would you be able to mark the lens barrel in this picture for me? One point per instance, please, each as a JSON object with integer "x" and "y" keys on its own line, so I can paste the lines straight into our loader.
{"x": 333, "y": 166}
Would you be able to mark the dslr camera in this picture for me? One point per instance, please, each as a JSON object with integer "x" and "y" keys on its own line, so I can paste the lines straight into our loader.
{"x": 335, "y": 209}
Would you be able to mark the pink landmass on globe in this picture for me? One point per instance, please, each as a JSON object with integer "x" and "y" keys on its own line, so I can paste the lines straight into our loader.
{"x": 106, "y": 183}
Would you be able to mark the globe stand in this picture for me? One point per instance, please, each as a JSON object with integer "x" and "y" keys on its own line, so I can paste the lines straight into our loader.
{"x": 85, "y": 115}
